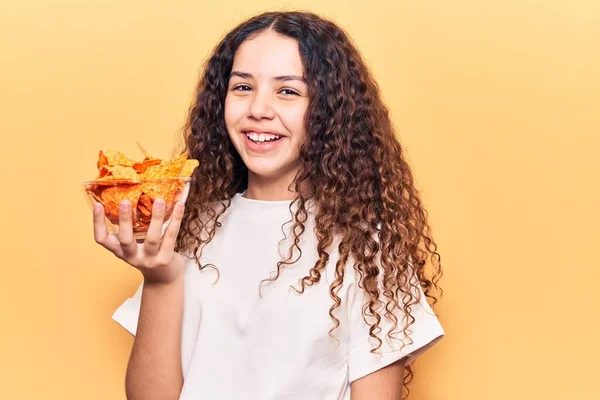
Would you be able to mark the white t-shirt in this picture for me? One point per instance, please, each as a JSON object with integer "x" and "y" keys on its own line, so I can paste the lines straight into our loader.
{"x": 236, "y": 345}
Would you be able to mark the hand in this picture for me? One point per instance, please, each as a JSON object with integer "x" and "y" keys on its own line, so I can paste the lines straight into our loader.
{"x": 155, "y": 257}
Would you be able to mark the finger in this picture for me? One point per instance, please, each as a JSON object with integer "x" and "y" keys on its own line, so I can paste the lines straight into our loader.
{"x": 170, "y": 236}
{"x": 125, "y": 234}
{"x": 152, "y": 242}
{"x": 101, "y": 236}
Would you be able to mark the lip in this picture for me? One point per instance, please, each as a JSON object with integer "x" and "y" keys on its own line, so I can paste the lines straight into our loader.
{"x": 264, "y": 147}
{"x": 260, "y": 130}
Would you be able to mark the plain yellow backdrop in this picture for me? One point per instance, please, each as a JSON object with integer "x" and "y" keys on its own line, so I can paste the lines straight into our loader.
{"x": 496, "y": 103}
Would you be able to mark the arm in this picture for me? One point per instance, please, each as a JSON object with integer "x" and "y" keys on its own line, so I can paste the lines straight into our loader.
{"x": 154, "y": 370}
{"x": 383, "y": 384}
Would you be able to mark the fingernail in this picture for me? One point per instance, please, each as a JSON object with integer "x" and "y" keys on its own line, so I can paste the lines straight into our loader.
{"x": 179, "y": 206}
{"x": 159, "y": 204}
{"x": 97, "y": 207}
{"x": 124, "y": 205}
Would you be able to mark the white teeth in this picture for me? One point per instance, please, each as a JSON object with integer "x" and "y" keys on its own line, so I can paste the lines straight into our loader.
{"x": 261, "y": 137}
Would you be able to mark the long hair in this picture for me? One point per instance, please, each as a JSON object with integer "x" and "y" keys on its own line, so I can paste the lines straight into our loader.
{"x": 352, "y": 167}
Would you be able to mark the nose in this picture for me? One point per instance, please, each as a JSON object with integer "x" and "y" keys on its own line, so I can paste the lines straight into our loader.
{"x": 261, "y": 106}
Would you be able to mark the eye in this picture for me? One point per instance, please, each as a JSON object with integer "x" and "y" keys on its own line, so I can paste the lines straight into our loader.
{"x": 289, "y": 92}
{"x": 245, "y": 88}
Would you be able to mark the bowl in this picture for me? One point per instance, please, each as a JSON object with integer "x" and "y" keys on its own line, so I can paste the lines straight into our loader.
{"x": 141, "y": 193}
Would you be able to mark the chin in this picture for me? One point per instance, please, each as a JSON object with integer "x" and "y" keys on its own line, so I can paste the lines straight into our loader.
{"x": 265, "y": 169}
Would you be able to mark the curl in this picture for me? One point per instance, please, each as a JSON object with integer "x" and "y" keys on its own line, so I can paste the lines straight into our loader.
{"x": 352, "y": 168}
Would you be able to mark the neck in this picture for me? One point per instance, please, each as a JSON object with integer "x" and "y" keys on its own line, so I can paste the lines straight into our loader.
{"x": 269, "y": 194}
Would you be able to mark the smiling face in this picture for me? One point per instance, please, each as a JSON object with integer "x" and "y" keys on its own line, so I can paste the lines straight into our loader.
{"x": 264, "y": 109}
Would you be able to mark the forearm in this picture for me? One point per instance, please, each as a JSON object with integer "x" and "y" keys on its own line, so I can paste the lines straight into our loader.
{"x": 154, "y": 369}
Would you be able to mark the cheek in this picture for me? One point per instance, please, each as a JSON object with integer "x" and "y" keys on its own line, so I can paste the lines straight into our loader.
{"x": 293, "y": 119}
{"x": 232, "y": 113}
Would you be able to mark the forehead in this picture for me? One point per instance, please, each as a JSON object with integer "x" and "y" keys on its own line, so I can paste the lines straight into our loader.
{"x": 269, "y": 54}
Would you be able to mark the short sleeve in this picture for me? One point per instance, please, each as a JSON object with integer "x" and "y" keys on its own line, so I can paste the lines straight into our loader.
{"x": 426, "y": 331}
{"x": 127, "y": 314}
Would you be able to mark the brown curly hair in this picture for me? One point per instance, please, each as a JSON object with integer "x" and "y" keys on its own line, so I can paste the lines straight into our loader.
{"x": 352, "y": 167}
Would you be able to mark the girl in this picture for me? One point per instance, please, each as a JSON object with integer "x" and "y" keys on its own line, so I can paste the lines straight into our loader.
{"x": 296, "y": 268}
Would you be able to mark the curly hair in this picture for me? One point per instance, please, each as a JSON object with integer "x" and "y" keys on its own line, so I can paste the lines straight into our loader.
{"x": 352, "y": 167}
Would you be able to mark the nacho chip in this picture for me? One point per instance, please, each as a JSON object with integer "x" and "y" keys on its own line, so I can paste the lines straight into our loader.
{"x": 149, "y": 161}
{"x": 103, "y": 172}
{"x": 120, "y": 172}
{"x": 188, "y": 168}
{"x": 102, "y": 160}
{"x": 166, "y": 190}
{"x": 148, "y": 156}
{"x": 141, "y": 167}
{"x": 144, "y": 209}
{"x": 166, "y": 169}
{"x": 113, "y": 195}
{"x": 117, "y": 158}
{"x": 145, "y": 204}
{"x": 94, "y": 191}
{"x": 101, "y": 164}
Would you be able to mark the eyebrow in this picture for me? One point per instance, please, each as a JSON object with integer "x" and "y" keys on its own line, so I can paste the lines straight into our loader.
{"x": 282, "y": 78}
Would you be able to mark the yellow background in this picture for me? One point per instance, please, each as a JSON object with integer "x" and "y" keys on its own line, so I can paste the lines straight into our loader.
{"x": 497, "y": 104}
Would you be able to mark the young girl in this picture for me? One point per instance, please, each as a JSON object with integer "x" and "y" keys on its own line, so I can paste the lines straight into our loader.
{"x": 296, "y": 269}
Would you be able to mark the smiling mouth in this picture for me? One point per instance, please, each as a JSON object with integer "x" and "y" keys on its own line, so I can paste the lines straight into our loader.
{"x": 262, "y": 137}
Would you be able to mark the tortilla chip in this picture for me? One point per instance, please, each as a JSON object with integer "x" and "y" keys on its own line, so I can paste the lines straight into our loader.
{"x": 145, "y": 204}
{"x": 112, "y": 196}
{"x": 166, "y": 169}
{"x": 102, "y": 160}
{"x": 120, "y": 172}
{"x": 188, "y": 168}
{"x": 166, "y": 190}
{"x": 117, "y": 158}
{"x": 148, "y": 156}
{"x": 141, "y": 167}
